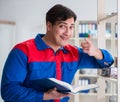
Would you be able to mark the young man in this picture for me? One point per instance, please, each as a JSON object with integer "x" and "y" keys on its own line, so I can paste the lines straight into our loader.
{"x": 48, "y": 56}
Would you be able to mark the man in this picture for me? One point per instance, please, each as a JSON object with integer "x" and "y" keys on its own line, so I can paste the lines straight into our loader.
{"x": 48, "y": 56}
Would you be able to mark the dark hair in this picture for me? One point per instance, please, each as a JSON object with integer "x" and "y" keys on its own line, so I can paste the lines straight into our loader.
{"x": 59, "y": 13}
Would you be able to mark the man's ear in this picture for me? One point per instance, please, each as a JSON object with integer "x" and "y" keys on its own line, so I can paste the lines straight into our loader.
{"x": 49, "y": 26}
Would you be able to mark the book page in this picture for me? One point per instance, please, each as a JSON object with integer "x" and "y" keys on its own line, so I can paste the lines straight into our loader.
{"x": 78, "y": 88}
{"x": 62, "y": 83}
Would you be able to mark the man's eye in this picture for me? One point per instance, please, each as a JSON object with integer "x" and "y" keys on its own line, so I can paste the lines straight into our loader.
{"x": 62, "y": 26}
{"x": 72, "y": 27}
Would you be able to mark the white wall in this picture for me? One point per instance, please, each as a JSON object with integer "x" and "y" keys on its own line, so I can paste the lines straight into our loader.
{"x": 29, "y": 15}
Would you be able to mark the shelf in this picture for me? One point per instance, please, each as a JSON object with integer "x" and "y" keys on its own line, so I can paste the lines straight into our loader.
{"x": 95, "y": 94}
{"x": 113, "y": 80}
{"x": 112, "y": 17}
{"x": 111, "y": 39}
{"x": 98, "y": 76}
{"x": 87, "y": 21}
{"x": 7, "y": 22}
{"x": 88, "y": 75}
{"x": 88, "y": 94}
{"x": 73, "y": 38}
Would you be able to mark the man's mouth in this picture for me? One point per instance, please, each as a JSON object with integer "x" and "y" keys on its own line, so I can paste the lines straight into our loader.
{"x": 64, "y": 38}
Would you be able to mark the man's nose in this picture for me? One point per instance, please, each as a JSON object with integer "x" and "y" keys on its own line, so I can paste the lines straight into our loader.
{"x": 67, "y": 31}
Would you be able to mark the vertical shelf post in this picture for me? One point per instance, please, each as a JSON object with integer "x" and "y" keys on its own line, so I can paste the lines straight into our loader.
{"x": 101, "y": 25}
{"x": 101, "y": 44}
{"x": 118, "y": 50}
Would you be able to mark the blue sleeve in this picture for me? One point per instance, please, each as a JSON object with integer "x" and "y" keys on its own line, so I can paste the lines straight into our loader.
{"x": 86, "y": 61}
{"x": 14, "y": 74}
{"x": 107, "y": 60}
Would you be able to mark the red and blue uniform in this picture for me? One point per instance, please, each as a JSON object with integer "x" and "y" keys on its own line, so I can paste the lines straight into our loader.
{"x": 33, "y": 59}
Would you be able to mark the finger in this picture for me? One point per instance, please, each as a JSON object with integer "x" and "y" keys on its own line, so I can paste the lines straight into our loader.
{"x": 64, "y": 95}
{"x": 55, "y": 88}
{"x": 85, "y": 50}
{"x": 85, "y": 46}
{"x": 88, "y": 40}
{"x": 83, "y": 40}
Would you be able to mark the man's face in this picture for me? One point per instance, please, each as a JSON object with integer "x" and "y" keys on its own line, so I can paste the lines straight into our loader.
{"x": 61, "y": 32}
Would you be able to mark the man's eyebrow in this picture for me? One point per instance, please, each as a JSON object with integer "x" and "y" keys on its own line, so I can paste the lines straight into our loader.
{"x": 59, "y": 22}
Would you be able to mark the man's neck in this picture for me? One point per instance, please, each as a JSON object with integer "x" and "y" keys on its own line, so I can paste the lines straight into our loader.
{"x": 49, "y": 43}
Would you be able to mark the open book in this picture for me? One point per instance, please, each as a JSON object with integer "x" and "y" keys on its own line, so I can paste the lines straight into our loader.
{"x": 64, "y": 87}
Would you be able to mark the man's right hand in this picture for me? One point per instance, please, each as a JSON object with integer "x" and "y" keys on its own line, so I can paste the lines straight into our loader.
{"x": 54, "y": 94}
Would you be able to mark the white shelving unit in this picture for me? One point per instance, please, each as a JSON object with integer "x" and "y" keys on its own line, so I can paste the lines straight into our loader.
{"x": 118, "y": 50}
{"x": 105, "y": 41}
{"x": 109, "y": 43}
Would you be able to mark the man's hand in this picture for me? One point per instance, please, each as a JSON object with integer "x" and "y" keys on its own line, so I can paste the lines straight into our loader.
{"x": 54, "y": 94}
{"x": 90, "y": 49}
